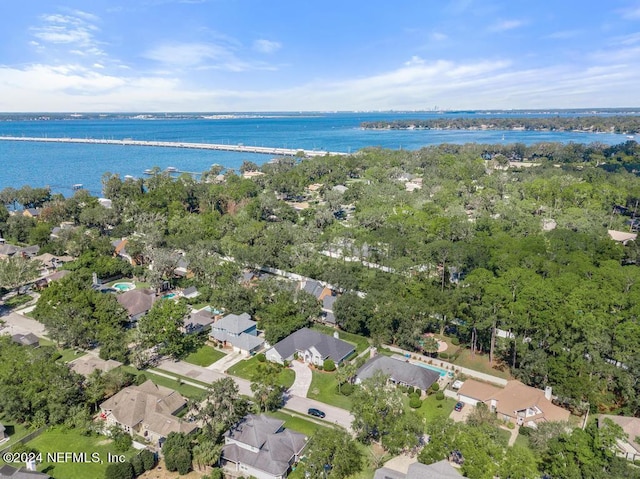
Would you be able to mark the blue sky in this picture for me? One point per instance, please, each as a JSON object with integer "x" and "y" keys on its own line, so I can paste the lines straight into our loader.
{"x": 296, "y": 55}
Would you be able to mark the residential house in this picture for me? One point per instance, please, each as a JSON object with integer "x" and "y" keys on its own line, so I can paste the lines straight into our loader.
{"x": 87, "y": 364}
{"x": 311, "y": 347}
{"x": 327, "y": 315}
{"x": 197, "y": 321}
{"x": 399, "y": 372}
{"x": 9, "y": 250}
{"x": 629, "y": 447}
{"x": 31, "y": 212}
{"x": 4, "y": 437}
{"x": 438, "y": 470}
{"x": 622, "y": 236}
{"x": 10, "y": 472}
{"x": 516, "y": 402}
{"x": 120, "y": 250}
{"x": 237, "y": 331}
{"x": 137, "y": 302}
{"x": 190, "y": 292}
{"x": 259, "y": 446}
{"x": 147, "y": 410}
{"x": 28, "y": 339}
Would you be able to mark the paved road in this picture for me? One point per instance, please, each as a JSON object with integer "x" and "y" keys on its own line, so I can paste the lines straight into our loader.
{"x": 335, "y": 415}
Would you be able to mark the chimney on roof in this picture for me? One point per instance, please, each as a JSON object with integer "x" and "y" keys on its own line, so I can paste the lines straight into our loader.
{"x": 547, "y": 393}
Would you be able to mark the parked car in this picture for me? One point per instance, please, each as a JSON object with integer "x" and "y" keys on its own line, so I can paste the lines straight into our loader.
{"x": 316, "y": 412}
{"x": 459, "y": 406}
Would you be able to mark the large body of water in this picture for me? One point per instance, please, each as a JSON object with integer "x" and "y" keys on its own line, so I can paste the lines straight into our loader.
{"x": 61, "y": 165}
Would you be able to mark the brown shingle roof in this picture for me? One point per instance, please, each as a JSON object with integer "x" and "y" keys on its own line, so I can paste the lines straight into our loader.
{"x": 137, "y": 301}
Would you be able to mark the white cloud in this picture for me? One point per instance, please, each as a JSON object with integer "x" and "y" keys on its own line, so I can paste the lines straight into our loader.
{"x": 266, "y": 46}
{"x": 76, "y": 30}
{"x": 438, "y": 37}
{"x": 505, "y": 25}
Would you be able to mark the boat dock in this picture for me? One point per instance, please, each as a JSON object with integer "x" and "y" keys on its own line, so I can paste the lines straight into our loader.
{"x": 174, "y": 144}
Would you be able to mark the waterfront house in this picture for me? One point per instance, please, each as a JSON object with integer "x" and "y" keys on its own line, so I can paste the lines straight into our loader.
{"x": 260, "y": 447}
{"x": 147, "y": 410}
{"x": 311, "y": 347}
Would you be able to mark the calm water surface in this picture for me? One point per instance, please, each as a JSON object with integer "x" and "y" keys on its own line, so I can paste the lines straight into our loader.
{"x": 62, "y": 165}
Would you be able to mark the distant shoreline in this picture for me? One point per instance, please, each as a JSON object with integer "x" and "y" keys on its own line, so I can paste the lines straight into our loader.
{"x": 623, "y": 124}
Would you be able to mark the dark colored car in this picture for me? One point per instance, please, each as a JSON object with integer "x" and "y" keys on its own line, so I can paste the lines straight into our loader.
{"x": 316, "y": 412}
{"x": 459, "y": 406}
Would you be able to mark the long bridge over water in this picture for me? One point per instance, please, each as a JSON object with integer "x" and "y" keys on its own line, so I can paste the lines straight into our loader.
{"x": 179, "y": 144}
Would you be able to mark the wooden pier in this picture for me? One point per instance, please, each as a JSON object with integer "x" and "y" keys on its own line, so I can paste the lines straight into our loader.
{"x": 174, "y": 144}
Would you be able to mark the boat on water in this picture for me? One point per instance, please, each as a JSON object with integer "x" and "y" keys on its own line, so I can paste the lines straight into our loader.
{"x": 171, "y": 169}
{"x": 630, "y": 137}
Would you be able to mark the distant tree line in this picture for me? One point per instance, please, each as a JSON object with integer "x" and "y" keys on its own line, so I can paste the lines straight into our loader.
{"x": 623, "y": 124}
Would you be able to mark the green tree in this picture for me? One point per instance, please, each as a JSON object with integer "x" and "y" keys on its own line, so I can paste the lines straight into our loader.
{"x": 161, "y": 326}
{"x": 267, "y": 392}
{"x": 17, "y": 271}
{"x": 177, "y": 452}
{"x": 332, "y": 454}
{"x": 119, "y": 470}
{"x": 221, "y": 408}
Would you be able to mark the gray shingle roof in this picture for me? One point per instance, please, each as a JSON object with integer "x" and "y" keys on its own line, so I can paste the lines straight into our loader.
{"x": 399, "y": 371}
{"x": 313, "y": 287}
{"x": 437, "y": 470}
{"x": 305, "y": 338}
{"x": 137, "y": 301}
{"x": 8, "y": 471}
{"x": 235, "y": 324}
{"x": 277, "y": 446}
{"x": 327, "y": 302}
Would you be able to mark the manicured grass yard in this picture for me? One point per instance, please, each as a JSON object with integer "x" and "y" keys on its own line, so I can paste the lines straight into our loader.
{"x": 70, "y": 355}
{"x": 57, "y": 440}
{"x": 324, "y": 388}
{"x": 432, "y": 408}
{"x": 188, "y": 391}
{"x": 246, "y": 369}
{"x": 296, "y": 423}
{"x": 14, "y": 430}
{"x": 480, "y": 363}
{"x": 204, "y": 356}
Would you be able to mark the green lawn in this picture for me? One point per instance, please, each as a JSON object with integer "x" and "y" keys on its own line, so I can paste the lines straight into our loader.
{"x": 60, "y": 441}
{"x": 205, "y": 356}
{"x": 296, "y": 423}
{"x": 70, "y": 354}
{"x": 246, "y": 369}
{"x": 480, "y": 363}
{"x": 522, "y": 441}
{"x": 324, "y": 388}
{"x": 432, "y": 408}
{"x": 360, "y": 342}
{"x": 188, "y": 391}
{"x": 14, "y": 430}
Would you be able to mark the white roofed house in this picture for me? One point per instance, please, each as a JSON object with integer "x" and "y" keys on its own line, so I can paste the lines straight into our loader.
{"x": 260, "y": 447}
{"x": 239, "y": 332}
{"x": 311, "y": 347}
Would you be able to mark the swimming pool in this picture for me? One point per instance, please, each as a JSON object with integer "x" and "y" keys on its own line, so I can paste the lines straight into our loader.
{"x": 169, "y": 296}
{"x": 211, "y": 310}
{"x": 440, "y": 371}
{"x": 124, "y": 286}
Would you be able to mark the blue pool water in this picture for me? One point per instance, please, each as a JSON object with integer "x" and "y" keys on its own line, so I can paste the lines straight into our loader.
{"x": 169, "y": 296}
{"x": 124, "y": 286}
{"x": 212, "y": 310}
{"x": 442, "y": 372}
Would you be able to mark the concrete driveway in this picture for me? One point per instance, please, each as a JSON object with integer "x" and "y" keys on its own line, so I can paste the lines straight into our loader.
{"x": 334, "y": 415}
{"x": 461, "y": 416}
{"x": 301, "y": 384}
